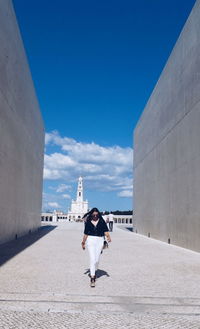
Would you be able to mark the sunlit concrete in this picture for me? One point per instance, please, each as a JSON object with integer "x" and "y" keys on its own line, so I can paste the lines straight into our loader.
{"x": 21, "y": 135}
{"x": 167, "y": 147}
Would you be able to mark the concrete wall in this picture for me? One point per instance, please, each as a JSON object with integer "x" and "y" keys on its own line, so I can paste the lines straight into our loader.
{"x": 167, "y": 147}
{"x": 21, "y": 135}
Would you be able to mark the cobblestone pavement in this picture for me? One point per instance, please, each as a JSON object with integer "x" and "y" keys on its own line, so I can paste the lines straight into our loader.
{"x": 24, "y": 320}
{"x": 142, "y": 283}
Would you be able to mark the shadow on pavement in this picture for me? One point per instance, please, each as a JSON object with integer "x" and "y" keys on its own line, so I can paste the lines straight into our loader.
{"x": 124, "y": 227}
{"x": 129, "y": 228}
{"x": 99, "y": 273}
{"x": 12, "y": 248}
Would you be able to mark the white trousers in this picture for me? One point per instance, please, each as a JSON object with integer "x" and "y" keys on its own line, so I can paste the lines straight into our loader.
{"x": 94, "y": 245}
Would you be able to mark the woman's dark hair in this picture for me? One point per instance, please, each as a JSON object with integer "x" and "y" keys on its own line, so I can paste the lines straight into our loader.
{"x": 89, "y": 214}
{"x": 85, "y": 215}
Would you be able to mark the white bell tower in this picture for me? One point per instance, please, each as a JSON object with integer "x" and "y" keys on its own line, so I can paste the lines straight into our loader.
{"x": 79, "y": 197}
{"x": 78, "y": 207}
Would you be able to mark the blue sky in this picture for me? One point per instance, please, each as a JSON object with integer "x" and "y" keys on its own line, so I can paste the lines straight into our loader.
{"x": 94, "y": 66}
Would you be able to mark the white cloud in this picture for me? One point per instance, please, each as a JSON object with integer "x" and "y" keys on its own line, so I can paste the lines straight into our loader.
{"x": 66, "y": 196}
{"x": 63, "y": 187}
{"x": 59, "y": 160}
{"x": 51, "y": 173}
{"x": 125, "y": 194}
{"x": 53, "y": 205}
{"x": 103, "y": 168}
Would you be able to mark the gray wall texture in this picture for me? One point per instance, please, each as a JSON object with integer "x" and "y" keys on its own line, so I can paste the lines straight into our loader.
{"x": 21, "y": 135}
{"x": 167, "y": 147}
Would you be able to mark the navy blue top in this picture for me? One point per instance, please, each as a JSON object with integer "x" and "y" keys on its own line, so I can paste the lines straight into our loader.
{"x": 97, "y": 230}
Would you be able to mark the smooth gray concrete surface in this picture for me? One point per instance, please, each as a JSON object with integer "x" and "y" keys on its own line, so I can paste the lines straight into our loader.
{"x": 167, "y": 147}
{"x": 21, "y": 135}
{"x": 142, "y": 283}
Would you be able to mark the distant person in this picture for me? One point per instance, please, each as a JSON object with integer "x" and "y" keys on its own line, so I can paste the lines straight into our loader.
{"x": 110, "y": 222}
{"x": 94, "y": 232}
{"x": 105, "y": 218}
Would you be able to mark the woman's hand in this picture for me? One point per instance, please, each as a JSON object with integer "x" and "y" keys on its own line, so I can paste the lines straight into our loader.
{"x": 83, "y": 241}
{"x": 108, "y": 236}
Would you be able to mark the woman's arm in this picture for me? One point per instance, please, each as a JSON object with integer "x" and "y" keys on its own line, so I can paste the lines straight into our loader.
{"x": 108, "y": 236}
{"x": 84, "y": 240}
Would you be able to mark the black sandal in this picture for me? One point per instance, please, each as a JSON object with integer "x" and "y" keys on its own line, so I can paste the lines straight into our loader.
{"x": 92, "y": 282}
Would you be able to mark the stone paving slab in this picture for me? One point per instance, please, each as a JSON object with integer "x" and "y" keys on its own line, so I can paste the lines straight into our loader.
{"x": 45, "y": 320}
{"x": 86, "y": 303}
{"x": 142, "y": 283}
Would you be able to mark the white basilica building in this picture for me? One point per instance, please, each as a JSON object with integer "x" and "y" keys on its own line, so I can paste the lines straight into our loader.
{"x": 78, "y": 207}
{"x": 76, "y": 211}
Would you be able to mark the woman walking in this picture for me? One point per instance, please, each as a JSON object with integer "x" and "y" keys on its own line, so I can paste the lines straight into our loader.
{"x": 94, "y": 232}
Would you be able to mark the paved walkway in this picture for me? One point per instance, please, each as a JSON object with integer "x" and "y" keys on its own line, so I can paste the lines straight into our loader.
{"x": 142, "y": 283}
